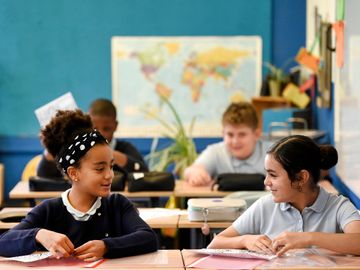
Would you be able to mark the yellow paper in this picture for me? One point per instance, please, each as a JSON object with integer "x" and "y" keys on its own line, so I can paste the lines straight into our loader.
{"x": 293, "y": 94}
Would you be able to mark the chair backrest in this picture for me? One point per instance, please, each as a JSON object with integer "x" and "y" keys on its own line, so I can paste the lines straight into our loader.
{"x": 1, "y": 183}
{"x": 30, "y": 168}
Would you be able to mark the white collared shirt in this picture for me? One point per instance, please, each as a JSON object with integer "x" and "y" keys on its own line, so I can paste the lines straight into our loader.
{"x": 78, "y": 215}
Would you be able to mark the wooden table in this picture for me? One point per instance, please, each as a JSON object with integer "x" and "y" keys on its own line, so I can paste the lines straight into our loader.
{"x": 21, "y": 191}
{"x": 157, "y": 218}
{"x": 197, "y": 238}
{"x": 162, "y": 259}
{"x": 184, "y": 189}
{"x": 294, "y": 259}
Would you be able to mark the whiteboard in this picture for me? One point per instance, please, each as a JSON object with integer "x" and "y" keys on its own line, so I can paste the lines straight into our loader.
{"x": 347, "y": 114}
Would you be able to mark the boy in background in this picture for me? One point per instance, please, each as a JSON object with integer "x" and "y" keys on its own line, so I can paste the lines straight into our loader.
{"x": 241, "y": 150}
{"x": 103, "y": 117}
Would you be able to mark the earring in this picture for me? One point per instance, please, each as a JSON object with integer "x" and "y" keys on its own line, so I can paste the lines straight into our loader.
{"x": 76, "y": 180}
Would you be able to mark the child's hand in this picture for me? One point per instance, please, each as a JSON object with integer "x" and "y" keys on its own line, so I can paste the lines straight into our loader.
{"x": 91, "y": 251}
{"x": 58, "y": 244}
{"x": 259, "y": 243}
{"x": 289, "y": 240}
{"x": 197, "y": 176}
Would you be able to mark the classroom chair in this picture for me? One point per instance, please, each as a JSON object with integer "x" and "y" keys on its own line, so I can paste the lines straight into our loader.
{"x": 30, "y": 168}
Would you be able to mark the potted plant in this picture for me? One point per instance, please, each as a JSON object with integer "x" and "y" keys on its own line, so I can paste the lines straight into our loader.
{"x": 181, "y": 152}
{"x": 277, "y": 80}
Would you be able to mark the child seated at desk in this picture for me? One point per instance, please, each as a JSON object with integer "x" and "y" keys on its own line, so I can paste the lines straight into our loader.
{"x": 103, "y": 116}
{"x": 87, "y": 221}
{"x": 241, "y": 150}
{"x": 298, "y": 213}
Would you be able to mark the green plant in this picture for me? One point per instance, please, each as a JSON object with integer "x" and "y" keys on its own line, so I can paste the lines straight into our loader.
{"x": 181, "y": 152}
{"x": 277, "y": 73}
{"x": 277, "y": 79}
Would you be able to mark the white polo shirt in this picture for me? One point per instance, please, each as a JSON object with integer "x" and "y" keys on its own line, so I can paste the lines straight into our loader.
{"x": 216, "y": 159}
{"x": 329, "y": 213}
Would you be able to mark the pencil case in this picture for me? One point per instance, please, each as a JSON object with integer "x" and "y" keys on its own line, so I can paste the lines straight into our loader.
{"x": 215, "y": 209}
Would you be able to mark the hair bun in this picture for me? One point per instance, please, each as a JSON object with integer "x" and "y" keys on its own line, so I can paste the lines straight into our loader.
{"x": 329, "y": 157}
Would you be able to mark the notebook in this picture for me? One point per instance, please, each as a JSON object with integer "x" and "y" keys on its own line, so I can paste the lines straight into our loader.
{"x": 239, "y": 253}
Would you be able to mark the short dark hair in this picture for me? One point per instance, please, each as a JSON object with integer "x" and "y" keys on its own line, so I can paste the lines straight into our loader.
{"x": 240, "y": 113}
{"x": 102, "y": 107}
{"x": 297, "y": 152}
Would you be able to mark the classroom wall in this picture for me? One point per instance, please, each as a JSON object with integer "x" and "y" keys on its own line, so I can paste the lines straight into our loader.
{"x": 51, "y": 47}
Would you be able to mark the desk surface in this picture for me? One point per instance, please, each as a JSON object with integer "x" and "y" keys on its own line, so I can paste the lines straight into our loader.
{"x": 182, "y": 189}
{"x": 157, "y": 218}
{"x": 162, "y": 259}
{"x": 295, "y": 260}
{"x": 22, "y": 191}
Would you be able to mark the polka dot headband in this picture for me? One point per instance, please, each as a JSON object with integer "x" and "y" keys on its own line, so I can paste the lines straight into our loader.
{"x": 82, "y": 143}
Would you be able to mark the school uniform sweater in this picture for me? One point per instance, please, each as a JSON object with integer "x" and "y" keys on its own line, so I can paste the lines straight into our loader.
{"x": 116, "y": 222}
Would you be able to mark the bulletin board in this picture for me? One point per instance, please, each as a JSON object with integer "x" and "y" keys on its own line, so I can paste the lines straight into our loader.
{"x": 200, "y": 76}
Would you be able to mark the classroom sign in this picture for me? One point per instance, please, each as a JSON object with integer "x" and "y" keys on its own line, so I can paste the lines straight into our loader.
{"x": 200, "y": 76}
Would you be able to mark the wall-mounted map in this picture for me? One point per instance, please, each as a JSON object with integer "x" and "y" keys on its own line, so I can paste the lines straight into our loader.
{"x": 199, "y": 75}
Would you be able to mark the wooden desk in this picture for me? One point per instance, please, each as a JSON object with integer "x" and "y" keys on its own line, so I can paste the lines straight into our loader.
{"x": 22, "y": 191}
{"x": 157, "y": 218}
{"x": 184, "y": 189}
{"x": 12, "y": 212}
{"x": 296, "y": 260}
{"x": 197, "y": 238}
{"x": 162, "y": 259}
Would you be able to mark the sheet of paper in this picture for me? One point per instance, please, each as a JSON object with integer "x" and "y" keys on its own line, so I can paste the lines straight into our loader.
{"x": 308, "y": 60}
{"x": 47, "y": 111}
{"x": 339, "y": 33}
{"x": 28, "y": 258}
{"x": 293, "y": 94}
{"x": 219, "y": 262}
{"x": 146, "y": 214}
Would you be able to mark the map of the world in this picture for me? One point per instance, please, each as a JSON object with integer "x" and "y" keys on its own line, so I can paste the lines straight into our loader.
{"x": 200, "y": 76}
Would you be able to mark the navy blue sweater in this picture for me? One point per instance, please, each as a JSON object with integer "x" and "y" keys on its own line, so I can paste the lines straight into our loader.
{"x": 116, "y": 222}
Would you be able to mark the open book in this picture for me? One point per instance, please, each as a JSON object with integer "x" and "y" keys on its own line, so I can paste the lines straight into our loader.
{"x": 239, "y": 253}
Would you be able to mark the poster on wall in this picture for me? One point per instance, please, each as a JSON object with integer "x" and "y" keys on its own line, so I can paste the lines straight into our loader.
{"x": 200, "y": 76}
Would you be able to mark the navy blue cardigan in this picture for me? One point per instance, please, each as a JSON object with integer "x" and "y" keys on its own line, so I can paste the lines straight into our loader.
{"x": 116, "y": 222}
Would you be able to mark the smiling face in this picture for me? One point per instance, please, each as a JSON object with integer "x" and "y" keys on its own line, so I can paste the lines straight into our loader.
{"x": 95, "y": 174}
{"x": 240, "y": 140}
{"x": 278, "y": 182}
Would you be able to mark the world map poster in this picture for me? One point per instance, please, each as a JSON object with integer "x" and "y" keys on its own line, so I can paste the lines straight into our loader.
{"x": 200, "y": 76}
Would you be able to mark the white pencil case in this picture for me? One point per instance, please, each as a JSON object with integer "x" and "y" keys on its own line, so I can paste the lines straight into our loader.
{"x": 215, "y": 209}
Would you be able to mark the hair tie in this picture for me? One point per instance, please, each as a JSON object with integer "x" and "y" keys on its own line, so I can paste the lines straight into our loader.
{"x": 82, "y": 143}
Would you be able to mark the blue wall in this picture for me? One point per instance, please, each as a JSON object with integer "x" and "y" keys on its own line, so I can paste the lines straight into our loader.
{"x": 50, "y": 47}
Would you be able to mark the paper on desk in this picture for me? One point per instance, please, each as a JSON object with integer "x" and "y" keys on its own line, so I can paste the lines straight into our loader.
{"x": 146, "y": 214}
{"x": 38, "y": 260}
{"x": 28, "y": 258}
{"x": 47, "y": 111}
{"x": 219, "y": 262}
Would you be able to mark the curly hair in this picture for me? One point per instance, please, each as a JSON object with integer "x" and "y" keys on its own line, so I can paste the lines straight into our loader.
{"x": 62, "y": 128}
{"x": 240, "y": 113}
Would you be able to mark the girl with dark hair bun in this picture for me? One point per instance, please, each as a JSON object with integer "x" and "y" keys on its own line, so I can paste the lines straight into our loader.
{"x": 87, "y": 222}
{"x": 298, "y": 213}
